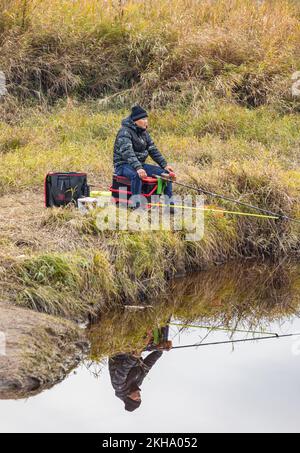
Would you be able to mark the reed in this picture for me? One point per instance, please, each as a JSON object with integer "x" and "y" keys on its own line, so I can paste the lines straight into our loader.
{"x": 181, "y": 52}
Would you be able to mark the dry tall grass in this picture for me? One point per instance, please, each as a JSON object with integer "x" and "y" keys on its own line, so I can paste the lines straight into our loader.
{"x": 182, "y": 51}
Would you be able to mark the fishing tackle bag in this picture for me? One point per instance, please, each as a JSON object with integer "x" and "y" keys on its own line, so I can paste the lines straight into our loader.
{"x": 62, "y": 188}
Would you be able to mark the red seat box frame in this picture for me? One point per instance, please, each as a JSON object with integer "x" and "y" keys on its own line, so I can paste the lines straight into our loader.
{"x": 121, "y": 188}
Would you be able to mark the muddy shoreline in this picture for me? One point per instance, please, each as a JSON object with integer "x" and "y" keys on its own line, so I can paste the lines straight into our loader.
{"x": 40, "y": 351}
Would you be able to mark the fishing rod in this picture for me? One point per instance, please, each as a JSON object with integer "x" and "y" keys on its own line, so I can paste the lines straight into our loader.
{"x": 232, "y": 200}
{"x": 236, "y": 341}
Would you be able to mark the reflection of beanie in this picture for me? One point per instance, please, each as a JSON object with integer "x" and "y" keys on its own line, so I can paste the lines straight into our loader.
{"x": 131, "y": 405}
{"x": 137, "y": 112}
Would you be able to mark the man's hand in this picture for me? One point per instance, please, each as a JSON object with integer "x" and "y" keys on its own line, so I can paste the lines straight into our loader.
{"x": 142, "y": 174}
{"x": 169, "y": 168}
{"x": 165, "y": 345}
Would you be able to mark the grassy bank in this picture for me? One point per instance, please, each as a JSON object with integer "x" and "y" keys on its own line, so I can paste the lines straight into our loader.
{"x": 58, "y": 262}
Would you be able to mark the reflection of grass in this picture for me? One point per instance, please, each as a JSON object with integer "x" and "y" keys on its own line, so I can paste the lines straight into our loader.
{"x": 248, "y": 297}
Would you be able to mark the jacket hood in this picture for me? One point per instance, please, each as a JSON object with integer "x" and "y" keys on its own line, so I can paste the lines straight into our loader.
{"x": 129, "y": 123}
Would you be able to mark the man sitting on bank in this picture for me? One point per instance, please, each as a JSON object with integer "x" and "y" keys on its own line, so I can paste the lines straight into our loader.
{"x": 132, "y": 146}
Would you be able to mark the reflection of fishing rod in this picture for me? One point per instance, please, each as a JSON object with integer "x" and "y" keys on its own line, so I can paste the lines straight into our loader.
{"x": 232, "y": 200}
{"x": 236, "y": 341}
{"x": 223, "y": 329}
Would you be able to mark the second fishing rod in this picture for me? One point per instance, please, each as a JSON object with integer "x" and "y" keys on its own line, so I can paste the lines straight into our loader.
{"x": 242, "y": 340}
{"x": 231, "y": 200}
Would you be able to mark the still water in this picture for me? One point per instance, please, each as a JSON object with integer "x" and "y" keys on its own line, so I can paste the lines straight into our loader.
{"x": 241, "y": 387}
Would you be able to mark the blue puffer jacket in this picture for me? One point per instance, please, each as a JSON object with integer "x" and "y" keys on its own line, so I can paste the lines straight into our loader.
{"x": 133, "y": 145}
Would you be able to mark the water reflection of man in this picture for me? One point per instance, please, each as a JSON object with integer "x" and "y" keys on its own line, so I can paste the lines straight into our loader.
{"x": 128, "y": 370}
